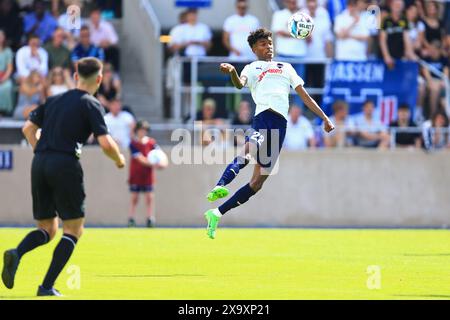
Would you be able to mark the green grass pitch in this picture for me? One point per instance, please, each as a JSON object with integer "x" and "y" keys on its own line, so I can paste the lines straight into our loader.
{"x": 243, "y": 264}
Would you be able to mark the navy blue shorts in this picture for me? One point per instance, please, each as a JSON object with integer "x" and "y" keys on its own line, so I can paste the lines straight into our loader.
{"x": 268, "y": 133}
{"x": 138, "y": 188}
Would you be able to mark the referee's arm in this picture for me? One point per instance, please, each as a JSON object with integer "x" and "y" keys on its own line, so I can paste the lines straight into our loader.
{"x": 111, "y": 149}
{"x": 29, "y": 131}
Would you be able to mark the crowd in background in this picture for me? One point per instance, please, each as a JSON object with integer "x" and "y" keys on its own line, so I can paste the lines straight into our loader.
{"x": 40, "y": 43}
{"x": 344, "y": 30}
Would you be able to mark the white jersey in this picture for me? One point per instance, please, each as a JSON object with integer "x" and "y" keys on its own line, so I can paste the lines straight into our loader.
{"x": 270, "y": 84}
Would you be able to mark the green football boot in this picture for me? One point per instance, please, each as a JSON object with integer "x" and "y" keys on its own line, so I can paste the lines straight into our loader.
{"x": 217, "y": 193}
{"x": 213, "y": 221}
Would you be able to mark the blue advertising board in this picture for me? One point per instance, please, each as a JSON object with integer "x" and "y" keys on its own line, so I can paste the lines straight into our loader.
{"x": 193, "y": 3}
{"x": 6, "y": 159}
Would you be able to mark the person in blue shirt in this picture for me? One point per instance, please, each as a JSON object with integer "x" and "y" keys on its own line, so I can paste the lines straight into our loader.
{"x": 40, "y": 22}
{"x": 85, "y": 48}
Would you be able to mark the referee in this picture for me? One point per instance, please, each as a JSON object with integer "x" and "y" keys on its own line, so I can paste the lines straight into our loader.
{"x": 67, "y": 120}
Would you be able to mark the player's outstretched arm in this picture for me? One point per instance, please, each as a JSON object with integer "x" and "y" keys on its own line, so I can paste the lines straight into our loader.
{"x": 238, "y": 82}
{"x": 111, "y": 149}
{"x": 314, "y": 107}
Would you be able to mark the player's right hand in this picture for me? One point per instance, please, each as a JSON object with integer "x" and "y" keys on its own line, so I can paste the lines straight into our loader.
{"x": 226, "y": 68}
{"x": 121, "y": 163}
{"x": 328, "y": 125}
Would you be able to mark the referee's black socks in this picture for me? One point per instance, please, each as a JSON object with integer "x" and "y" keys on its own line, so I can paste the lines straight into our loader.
{"x": 33, "y": 240}
{"x": 61, "y": 255}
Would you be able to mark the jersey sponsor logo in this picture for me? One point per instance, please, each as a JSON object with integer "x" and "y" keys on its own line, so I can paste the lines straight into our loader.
{"x": 274, "y": 71}
{"x": 279, "y": 65}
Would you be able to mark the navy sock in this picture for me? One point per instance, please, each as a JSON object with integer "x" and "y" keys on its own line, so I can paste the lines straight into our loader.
{"x": 33, "y": 240}
{"x": 240, "y": 197}
{"x": 232, "y": 170}
{"x": 61, "y": 255}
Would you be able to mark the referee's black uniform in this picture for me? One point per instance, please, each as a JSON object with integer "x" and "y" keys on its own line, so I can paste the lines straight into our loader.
{"x": 67, "y": 120}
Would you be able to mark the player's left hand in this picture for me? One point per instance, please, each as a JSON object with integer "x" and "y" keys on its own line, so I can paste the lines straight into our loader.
{"x": 328, "y": 125}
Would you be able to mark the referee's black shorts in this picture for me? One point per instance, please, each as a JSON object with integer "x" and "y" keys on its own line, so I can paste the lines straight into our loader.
{"x": 57, "y": 186}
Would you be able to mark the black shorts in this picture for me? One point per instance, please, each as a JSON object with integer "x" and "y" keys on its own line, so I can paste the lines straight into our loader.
{"x": 57, "y": 186}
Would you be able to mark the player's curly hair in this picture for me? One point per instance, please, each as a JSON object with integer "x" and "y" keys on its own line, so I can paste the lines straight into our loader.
{"x": 258, "y": 34}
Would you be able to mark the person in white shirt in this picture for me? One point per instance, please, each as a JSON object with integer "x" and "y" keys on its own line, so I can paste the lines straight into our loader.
{"x": 270, "y": 83}
{"x": 320, "y": 42}
{"x": 352, "y": 34}
{"x": 120, "y": 124}
{"x": 194, "y": 37}
{"x": 300, "y": 133}
{"x": 175, "y": 32}
{"x": 31, "y": 57}
{"x": 236, "y": 29}
{"x": 104, "y": 35}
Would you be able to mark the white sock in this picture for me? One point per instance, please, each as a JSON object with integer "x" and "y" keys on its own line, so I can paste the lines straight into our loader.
{"x": 217, "y": 212}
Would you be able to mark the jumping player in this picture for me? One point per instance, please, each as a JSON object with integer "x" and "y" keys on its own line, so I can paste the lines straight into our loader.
{"x": 270, "y": 83}
{"x": 67, "y": 120}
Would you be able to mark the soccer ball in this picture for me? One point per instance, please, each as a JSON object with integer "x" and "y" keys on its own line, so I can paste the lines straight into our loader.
{"x": 158, "y": 157}
{"x": 300, "y": 25}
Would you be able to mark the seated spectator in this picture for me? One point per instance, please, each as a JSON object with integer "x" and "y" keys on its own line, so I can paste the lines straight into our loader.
{"x": 40, "y": 22}
{"x": 243, "y": 118}
{"x": 104, "y": 35}
{"x": 31, "y": 95}
{"x": 394, "y": 39}
{"x": 6, "y": 69}
{"x": 58, "y": 54}
{"x": 85, "y": 48}
{"x": 110, "y": 88}
{"x": 436, "y": 134}
{"x": 31, "y": 57}
{"x": 434, "y": 84}
{"x": 72, "y": 35}
{"x": 371, "y": 131}
{"x": 352, "y": 33}
{"x": 405, "y": 138}
{"x": 344, "y": 133}
{"x": 299, "y": 133}
{"x": 59, "y": 82}
{"x": 194, "y": 38}
{"x": 434, "y": 28}
{"x": 207, "y": 117}
{"x": 120, "y": 124}
{"x": 11, "y": 22}
{"x": 236, "y": 30}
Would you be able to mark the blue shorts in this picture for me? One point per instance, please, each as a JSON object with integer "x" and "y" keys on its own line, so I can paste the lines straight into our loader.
{"x": 138, "y": 188}
{"x": 268, "y": 133}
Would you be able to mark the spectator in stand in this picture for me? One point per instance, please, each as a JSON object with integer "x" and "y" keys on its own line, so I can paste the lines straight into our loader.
{"x": 11, "y": 22}
{"x": 405, "y": 138}
{"x": 177, "y": 31}
{"x": 31, "y": 57}
{"x": 207, "y": 117}
{"x": 120, "y": 124}
{"x": 58, "y": 54}
{"x": 72, "y": 34}
{"x": 59, "y": 82}
{"x": 285, "y": 45}
{"x": 40, "y": 22}
{"x": 31, "y": 95}
{"x": 372, "y": 133}
{"x": 110, "y": 88}
{"x": 434, "y": 28}
{"x": 435, "y": 85}
{"x": 236, "y": 30}
{"x": 319, "y": 44}
{"x": 344, "y": 134}
{"x": 85, "y": 48}
{"x": 416, "y": 28}
{"x": 436, "y": 132}
{"x": 104, "y": 35}
{"x": 242, "y": 119}
{"x": 6, "y": 70}
{"x": 194, "y": 38}
{"x": 352, "y": 33}
{"x": 300, "y": 133}
{"x": 394, "y": 37}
